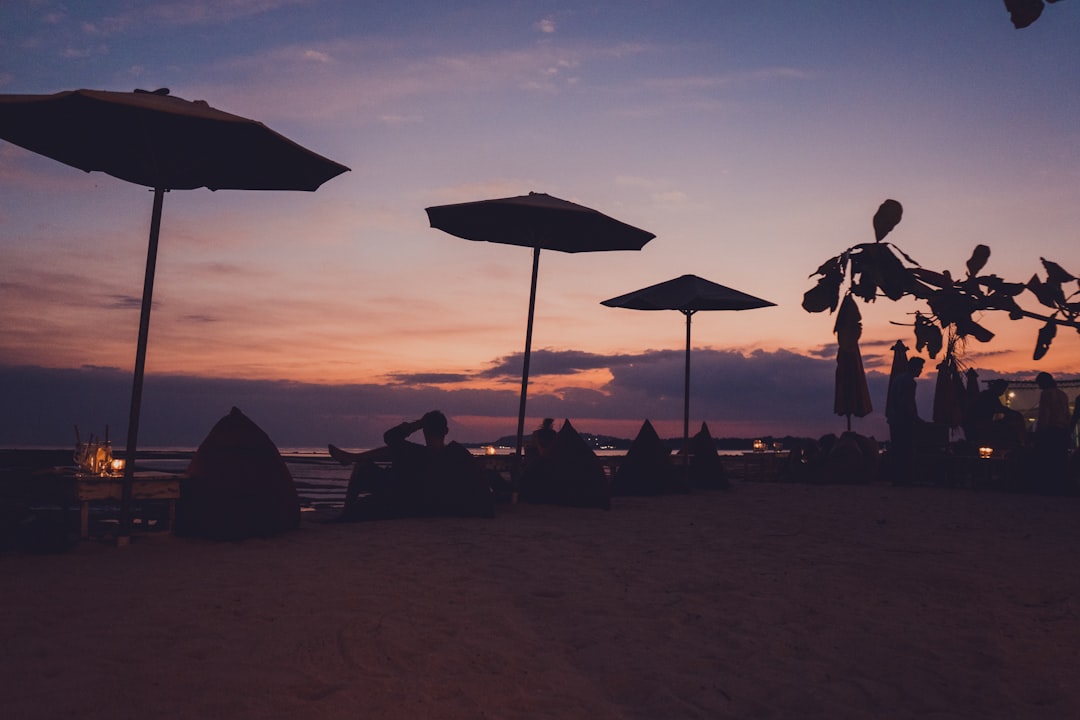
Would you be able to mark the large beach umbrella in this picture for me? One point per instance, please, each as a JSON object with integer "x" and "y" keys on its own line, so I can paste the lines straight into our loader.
{"x": 688, "y": 294}
{"x": 852, "y": 396}
{"x": 541, "y": 222}
{"x": 165, "y": 143}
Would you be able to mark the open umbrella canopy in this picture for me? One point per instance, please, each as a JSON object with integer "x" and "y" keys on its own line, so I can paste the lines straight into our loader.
{"x": 166, "y": 143}
{"x": 541, "y": 222}
{"x": 688, "y": 294}
{"x": 537, "y": 220}
{"x": 160, "y": 141}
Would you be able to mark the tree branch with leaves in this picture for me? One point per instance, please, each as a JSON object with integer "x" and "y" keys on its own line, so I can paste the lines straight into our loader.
{"x": 953, "y": 305}
{"x": 1024, "y": 12}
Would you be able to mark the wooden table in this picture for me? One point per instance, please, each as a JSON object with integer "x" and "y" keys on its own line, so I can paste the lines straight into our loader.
{"x": 65, "y": 486}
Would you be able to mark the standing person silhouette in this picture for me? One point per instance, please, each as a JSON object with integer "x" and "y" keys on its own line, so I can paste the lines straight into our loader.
{"x": 902, "y": 414}
{"x": 1051, "y": 435}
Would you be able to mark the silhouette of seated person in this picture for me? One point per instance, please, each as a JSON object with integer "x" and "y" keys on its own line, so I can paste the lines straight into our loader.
{"x": 706, "y": 468}
{"x": 404, "y": 478}
{"x": 803, "y": 462}
{"x": 539, "y": 463}
{"x": 851, "y": 459}
{"x": 564, "y": 471}
{"x": 818, "y": 462}
{"x": 646, "y": 469}
{"x": 997, "y": 425}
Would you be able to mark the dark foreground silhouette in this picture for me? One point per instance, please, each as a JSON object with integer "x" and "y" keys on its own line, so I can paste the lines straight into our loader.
{"x": 406, "y": 479}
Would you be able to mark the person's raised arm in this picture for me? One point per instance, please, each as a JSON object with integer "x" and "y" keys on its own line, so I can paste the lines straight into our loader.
{"x": 399, "y": 433}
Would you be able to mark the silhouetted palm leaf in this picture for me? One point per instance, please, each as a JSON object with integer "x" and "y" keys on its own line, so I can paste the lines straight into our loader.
{"x": 1023, "y": 12}
{"x": 938, "y": 280}
{"x": 1047, "y": 294}
{"x": 1055, "y": 273}
{"x": 1046, "y": 336}
{"x": 1000, "y": 287}
{"x": 886, "y": 218}
{"x": 927, "y": 335}
{"x": 978, "y": 259}
{"x": 968, "y": 327}
{"x": 823, "y": 296}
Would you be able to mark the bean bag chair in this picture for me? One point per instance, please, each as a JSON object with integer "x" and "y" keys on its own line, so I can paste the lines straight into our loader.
{"x": 706, "y": 468}
{"x": 458, "y": 485}
{"x": 579, "y": 472}
{"x": 238, "y": 485}
{"x": 646, "y": 469}
{"x": 570, "y": 475}
{"x": 852, "y": 460}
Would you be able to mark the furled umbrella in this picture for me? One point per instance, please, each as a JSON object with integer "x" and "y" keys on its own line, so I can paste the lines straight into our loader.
{"x": 899, "y": 366}
{"x": 688, "y": 294}
{"x": 852, "y": 396}
{"x": 949, "y": 393}
{"x": 541, "y": 222}
{"x": 165, "y": 143}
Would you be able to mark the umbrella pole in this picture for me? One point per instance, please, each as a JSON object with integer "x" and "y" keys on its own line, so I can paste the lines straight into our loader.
{"x": 140, "y": 365}
{"x": 686, "y": 387}
{"x": 686, "y": 405}
{"x": 525, "y": 364}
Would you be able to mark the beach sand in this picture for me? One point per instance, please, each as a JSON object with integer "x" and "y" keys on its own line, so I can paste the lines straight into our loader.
{"x": 767, "y": 601}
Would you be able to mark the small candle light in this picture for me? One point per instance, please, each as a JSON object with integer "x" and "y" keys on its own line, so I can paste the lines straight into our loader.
{"x": 117, "y": 465}
{"x": 986, "y": 452}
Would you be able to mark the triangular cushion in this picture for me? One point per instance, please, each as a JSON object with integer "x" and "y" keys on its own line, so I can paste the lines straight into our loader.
{"x": 238, "y": 485}
{"x": 578, "y": 476}
{"x": 646, "y": 468}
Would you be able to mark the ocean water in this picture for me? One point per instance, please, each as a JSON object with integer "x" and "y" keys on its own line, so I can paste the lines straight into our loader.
{"x": 320, "y": 481}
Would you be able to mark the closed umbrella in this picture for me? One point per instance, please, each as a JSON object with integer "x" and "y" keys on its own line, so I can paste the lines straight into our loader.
{"x": 949, "y": 394}
{"x": 852, "y": 396}
{"x": 688, "y": 294}
{"x": 541, "y": 222}
{"x": 899, "y": 366}
{"x": 165, "y": 143}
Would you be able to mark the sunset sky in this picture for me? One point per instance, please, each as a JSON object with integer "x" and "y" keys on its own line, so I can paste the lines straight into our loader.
{"x": 755, "y": 139}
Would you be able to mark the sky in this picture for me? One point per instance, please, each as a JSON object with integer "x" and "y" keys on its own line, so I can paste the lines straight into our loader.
{"x": 755, "y": 140}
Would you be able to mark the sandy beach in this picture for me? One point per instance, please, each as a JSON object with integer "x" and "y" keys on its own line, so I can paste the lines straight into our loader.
{"x": 766, "y": 601}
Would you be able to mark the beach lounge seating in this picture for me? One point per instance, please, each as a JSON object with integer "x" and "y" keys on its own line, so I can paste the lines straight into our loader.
{"x": 646, "y": 469}
{"x": 570, "y": 475}
{"x": 238, "y": 485}
{"x": 853, "y": 459}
